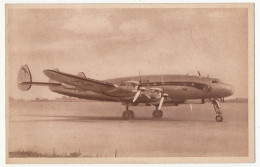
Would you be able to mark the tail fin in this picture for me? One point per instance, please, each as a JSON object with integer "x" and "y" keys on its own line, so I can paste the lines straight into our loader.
{"x": 24, "y": 78}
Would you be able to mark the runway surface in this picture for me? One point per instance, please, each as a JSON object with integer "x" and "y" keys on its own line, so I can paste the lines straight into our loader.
{"x": 96, "y": 129}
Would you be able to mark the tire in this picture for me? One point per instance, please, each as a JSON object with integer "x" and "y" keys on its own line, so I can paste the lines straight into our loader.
{"x": 157, "y": 114}
{"x": 219, "y": 118}
{"x": 126, "y": 115}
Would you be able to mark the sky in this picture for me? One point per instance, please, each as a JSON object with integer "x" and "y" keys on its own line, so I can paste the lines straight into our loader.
{"x": 108, "y": 43}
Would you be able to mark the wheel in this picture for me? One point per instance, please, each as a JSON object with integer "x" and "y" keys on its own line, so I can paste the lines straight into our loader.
{"x": 157, "y": 114}
{"x": 219, "y": 118}
{"x": 128, "y": 114}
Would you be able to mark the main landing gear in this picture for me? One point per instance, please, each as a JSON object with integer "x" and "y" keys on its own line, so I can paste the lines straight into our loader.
{"x": 128, "y": 114}
{"x": 219, "y": 117}
{"x": 157, "y": 114}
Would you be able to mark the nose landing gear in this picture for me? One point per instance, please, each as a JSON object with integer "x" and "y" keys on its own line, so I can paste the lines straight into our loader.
{"x": 219, "y": 117}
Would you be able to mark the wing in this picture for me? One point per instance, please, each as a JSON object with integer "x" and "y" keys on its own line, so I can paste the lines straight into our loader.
{"x": 80, "y": 81}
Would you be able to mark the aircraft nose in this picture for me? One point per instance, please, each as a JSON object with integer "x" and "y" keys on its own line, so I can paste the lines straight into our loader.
{"x": 230, "y": 90}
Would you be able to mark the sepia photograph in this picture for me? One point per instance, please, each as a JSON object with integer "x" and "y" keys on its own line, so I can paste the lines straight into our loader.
{"x": 129, "y": 83}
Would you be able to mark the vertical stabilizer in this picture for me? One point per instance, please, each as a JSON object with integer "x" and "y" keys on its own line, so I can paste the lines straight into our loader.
{"x": 24, "y": 78}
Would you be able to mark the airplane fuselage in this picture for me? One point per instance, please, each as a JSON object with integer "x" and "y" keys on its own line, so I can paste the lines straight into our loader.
{"x": 178, "y": 87}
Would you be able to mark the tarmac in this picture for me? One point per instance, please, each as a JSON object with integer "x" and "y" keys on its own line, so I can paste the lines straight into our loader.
{"x": 97, "y": 129}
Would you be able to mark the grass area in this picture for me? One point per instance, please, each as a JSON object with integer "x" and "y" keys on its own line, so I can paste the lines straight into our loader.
{"x": 33, "y": 154}
{"x": 24, "y": 154}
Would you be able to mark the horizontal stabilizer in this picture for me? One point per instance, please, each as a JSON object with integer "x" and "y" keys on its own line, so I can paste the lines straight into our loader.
{"x": 39, "y": 83}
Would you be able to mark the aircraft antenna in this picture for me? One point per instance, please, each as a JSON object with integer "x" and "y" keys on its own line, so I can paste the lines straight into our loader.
{"x": 140, "y": 79}
{"x": 162, "y": 83}
{"x": 199, "y": 73}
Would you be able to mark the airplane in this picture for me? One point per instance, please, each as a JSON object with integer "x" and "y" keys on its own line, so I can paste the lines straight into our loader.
{"x": 156, "y": 90}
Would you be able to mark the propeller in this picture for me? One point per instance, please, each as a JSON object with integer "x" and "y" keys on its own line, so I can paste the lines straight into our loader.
{"x": 137, "y": 95}
{"x": 142, "y": 90}
{"x": 163, "y": 96}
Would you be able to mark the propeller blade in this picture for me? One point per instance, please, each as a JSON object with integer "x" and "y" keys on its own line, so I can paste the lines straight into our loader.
{"x": 168, "y": 98}
{"x": 191, "y": 107}
{"x": 147, "y": 95}
{"x": 161, "y": 102}
{"x": 137, "y": 95}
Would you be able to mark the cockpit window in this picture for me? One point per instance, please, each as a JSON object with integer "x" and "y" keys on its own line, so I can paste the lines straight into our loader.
{"x": 215, "y": 81}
